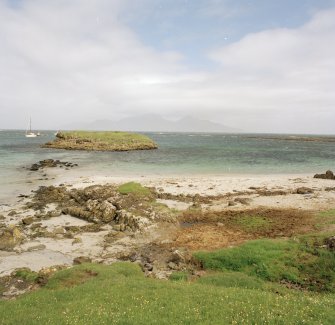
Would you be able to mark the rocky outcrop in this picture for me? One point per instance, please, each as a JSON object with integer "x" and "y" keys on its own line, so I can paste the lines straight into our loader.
{"x": 328, "y": 175}
{"x": 93, "y": 211}
{"x": 10, "y": 237}
{"x": 101, "y": 141}
{"x": 51, "y": 163}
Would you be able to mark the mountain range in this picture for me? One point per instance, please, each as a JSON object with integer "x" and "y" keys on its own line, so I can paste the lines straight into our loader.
{"x": 155, "y": 123}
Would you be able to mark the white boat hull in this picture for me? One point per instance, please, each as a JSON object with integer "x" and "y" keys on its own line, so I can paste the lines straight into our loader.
{"x": 31, "y": 135}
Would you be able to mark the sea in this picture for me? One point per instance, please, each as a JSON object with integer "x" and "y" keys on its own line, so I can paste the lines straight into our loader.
{"x": 178, "y": 154}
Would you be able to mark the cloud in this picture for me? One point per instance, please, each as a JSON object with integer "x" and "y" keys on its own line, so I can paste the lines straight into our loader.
{"x": 78, "y": 61}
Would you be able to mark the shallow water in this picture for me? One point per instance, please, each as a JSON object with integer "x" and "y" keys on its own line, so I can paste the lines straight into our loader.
{"x": 178, "y": 153}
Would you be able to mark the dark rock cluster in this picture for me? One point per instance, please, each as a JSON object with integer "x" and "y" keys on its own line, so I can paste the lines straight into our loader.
{"x": 47, "y": 163}
{"x": 328, "y": 175}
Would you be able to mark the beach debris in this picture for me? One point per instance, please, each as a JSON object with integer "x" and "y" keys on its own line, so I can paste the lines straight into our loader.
{"x": 328, "y": 175}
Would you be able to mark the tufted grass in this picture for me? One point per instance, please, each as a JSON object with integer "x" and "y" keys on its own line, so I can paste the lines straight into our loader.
{"x": 133, "y": 188}
{"x": 120, "y": 294}
{"x": 300, "y": 262}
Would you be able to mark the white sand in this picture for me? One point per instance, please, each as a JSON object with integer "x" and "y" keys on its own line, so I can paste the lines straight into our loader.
{"x": 62, "y": 251}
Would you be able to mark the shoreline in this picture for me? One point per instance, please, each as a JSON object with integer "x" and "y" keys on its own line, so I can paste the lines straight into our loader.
{"x": 212, "y": 193}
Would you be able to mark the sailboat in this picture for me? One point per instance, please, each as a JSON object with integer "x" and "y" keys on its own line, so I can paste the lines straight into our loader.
{"x": 30, "y": 134}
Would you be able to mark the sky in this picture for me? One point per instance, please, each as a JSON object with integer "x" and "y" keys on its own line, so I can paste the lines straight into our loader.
{"x": 260, "y": 66}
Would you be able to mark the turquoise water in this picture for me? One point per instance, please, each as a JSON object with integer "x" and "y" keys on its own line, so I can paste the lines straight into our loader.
{"x": 178, "y": 153}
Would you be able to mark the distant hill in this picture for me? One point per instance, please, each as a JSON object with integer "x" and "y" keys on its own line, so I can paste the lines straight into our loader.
{"x": 156, "y": 123}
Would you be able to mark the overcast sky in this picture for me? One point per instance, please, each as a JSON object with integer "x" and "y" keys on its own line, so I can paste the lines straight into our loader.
{"x": 264, "y": 66}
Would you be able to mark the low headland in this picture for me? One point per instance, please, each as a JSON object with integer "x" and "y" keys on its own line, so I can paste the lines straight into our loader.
{"x": 179, "y": 249}
{"x": 101, "y": 141}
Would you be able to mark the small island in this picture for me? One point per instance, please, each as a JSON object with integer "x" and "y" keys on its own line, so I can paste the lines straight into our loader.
{"x": 101, "y": 141}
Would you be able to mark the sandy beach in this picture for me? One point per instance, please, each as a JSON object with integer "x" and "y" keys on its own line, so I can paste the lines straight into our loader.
{"x": 221, "y": 193}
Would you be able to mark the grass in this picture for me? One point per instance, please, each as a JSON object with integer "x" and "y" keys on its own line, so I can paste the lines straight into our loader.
{"x": 26, "y": 274}
{"x": 101, "y": 141}
{"x": 106, "y": 136}
{"x": 120, "y": 294}
{"x": 325, "y": 219}
{"x": 133, "y": 188}
{"x": 252, "y": 223}
{"x": 303, "y": 262}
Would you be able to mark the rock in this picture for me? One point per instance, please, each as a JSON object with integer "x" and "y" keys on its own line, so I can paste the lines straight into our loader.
{"x": 81, "y": 260}
{"x": 12, "y": 213}
{"x": 50, "y": 163}
{"x": 10, "y": 237}
{"x": 78, "y": 213}
{"x": 149, "y": 267}
{"x": 58, "y": 231}
{"x": 2, "y": 217}
{"x": 231, "y": 203}
{"x": 328, "y": 175}
{"x": 330, "y": 243}
{"x": 77, "y": 240}
{"x": 173, "y": 266}
{"x": 243, "y": 200}
{"x": 179, "y": 257}
{"x": 28, "y": 221}
{"x": 36, "y": 248}
{"x": 117, "y": 227}
{"x": 304, "y": 190}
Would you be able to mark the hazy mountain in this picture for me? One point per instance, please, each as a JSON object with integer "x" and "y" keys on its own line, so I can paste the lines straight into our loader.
{"x": 156, "y": 123}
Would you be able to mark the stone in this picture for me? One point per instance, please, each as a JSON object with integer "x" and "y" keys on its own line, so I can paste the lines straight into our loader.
{"x": 59, "y": 231}
{"x": 328, "y": 175}
{"x": 179, "y": 257}
{"x": 330, "y": 243}
{"x": 304, "y": 190}
{"x": 38, "y": 247}
{"x": 28, "y": 221}
{"x": 10, "y": 237}
{"x": 231, "y": 203}
{"x": 77, "y": 240}
{"x": 172, "y": 266}
{"x": 82, "y": 260}
{"x": 243, "y": 200}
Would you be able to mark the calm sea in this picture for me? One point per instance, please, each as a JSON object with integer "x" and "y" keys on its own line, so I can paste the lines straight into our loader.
{"x": 178, "y": 153}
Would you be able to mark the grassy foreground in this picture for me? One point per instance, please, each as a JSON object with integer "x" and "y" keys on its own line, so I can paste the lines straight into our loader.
{"x": 120, "y": 294}
{"x": 101, "y": 141}
{"x": 300, "y": 263}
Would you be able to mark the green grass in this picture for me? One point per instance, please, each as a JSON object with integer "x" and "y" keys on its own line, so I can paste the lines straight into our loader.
{"x": 230, "y": 279}
{"x": 304, "y": 263}
{"x": 106, "y": 136}
{"x": 101, "y": 141}
{"x": 252, "y": 223}
{"x": 179, "y": 276}
{"x": 26, "y": 274}
{"x": 327, "y": 214}
{"x": 133, "y": 188}
{"x": 324, "y": 219}
{"x": 120, "y": 294}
